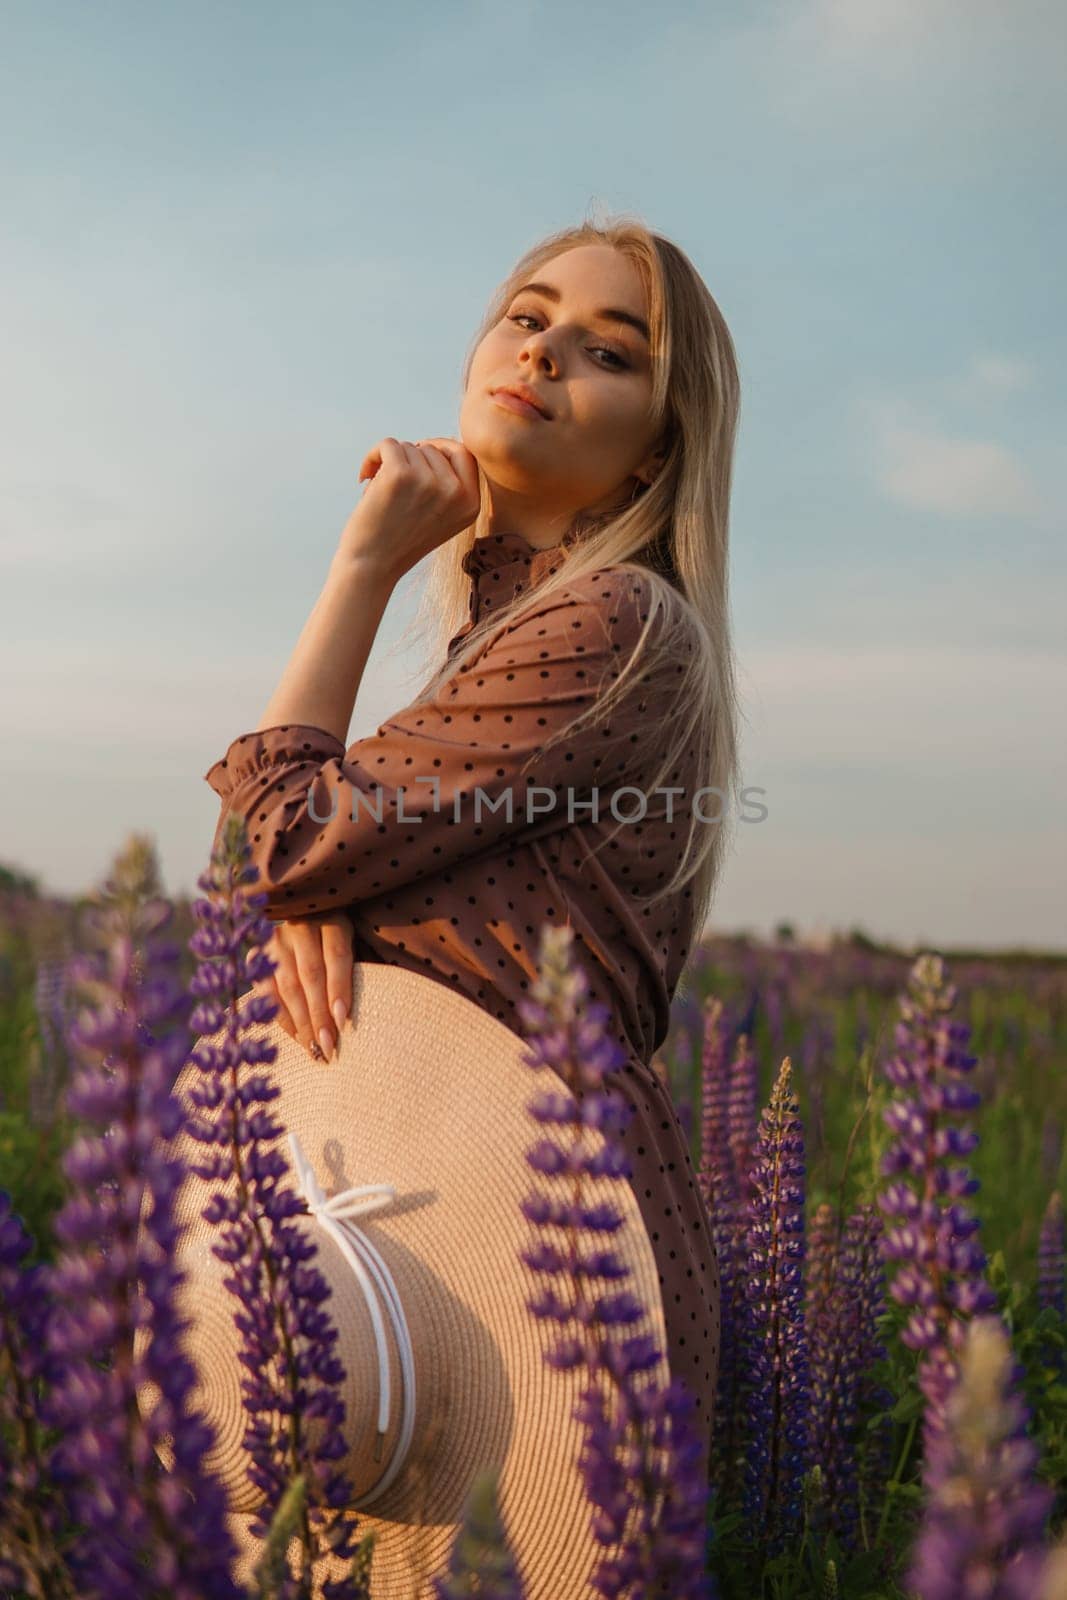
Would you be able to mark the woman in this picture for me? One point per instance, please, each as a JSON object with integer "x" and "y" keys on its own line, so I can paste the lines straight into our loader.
{"x": 588, "y": 695}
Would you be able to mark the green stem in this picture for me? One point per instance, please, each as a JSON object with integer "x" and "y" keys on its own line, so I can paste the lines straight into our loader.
{"x": 895, "y": 1479}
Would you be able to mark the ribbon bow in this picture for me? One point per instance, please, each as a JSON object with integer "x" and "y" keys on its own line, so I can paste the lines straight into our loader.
{"x": 374, "y": 1278}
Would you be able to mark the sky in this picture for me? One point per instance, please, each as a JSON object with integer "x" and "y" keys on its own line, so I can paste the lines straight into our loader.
{"x": 241, "y": 243}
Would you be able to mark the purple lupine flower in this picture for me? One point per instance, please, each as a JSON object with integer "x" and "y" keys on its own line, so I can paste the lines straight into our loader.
{"x": 481, "y": 1562}
{"x": 651, "y": 1511}
{"x": 983, "y": 1531}
{"x": 51, "y": 1000}
{"x": 942, "y": 1275}
{"x": 715, "y": 1167}
{"x": 279, "y": 1293}
{"x": 146, "y": 1534}
{"x": 842, "y": 1315}
{"x": 1050, "y": 1273}
{"x": 727, "y": 1132}
{"x": 31, "y": 1521}
{"x": 820, "y": 1269}
{"x": 775, "y": 1349}
{"x": 821, "y": 1266}
{"x": 1050, "y": 1276}
{"x": 742, "y": 1115}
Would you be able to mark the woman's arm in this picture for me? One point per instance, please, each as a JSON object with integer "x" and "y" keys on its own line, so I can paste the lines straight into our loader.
{"x": 330, "y": 826}
{"x": 420, "y": 495}
{"x": 319, "y": 686}
{"x": 417, "y": 497}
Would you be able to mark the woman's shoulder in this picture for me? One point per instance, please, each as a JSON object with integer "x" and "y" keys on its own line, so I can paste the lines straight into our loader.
{"x": 625, "y": 596}
{"x": 589, "y": 627}
{"x": 622, "y": 595}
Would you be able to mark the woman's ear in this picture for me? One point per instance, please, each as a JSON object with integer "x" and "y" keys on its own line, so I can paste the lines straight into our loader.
{"x": 650, "y": 467}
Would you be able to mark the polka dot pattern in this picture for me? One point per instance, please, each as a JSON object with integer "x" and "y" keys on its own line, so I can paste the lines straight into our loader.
{"x": 460, "y": 893}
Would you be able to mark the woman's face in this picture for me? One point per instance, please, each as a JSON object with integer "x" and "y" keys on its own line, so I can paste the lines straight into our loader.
{"x": 591, "y": 370}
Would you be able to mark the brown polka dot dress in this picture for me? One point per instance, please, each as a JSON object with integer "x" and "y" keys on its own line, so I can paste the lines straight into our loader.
{"x": 461, "y": 894}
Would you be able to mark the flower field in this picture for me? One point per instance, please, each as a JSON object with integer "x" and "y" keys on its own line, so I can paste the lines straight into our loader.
{"x": 879, "y": 1140}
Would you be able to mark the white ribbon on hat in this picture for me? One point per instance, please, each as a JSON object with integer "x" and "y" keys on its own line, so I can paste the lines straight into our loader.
{"x": 336, "y": 1216}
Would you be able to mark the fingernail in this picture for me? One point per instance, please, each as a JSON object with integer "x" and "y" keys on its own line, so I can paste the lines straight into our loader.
{"x": 340, "y": 1012}
{"x": 326, "y": 1043}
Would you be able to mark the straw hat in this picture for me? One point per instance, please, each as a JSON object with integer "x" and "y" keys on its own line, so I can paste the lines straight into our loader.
{"x": 428, "y": 1094}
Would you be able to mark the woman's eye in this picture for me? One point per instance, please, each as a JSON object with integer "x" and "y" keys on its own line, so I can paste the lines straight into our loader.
{"x": 527, "y": 316}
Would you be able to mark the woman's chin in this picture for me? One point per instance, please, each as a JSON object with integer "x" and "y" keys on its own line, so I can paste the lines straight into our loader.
{"x": 509, "y": 462}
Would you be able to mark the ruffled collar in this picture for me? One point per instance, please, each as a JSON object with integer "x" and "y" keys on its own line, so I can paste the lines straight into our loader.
{"x": 503, "y": 565}
{"x": 495, "y": 550}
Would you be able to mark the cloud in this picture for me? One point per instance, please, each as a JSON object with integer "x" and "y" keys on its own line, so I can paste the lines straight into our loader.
{"x": 992, "y": 601}
{"x": 941, "y": 708}
{"x": 1001, "y": 372}
{"x": 957, "y": 477}
{"x": 954, "y": 476}
{"x": 948, "y": 81}
{"x": 918, "y": 463}
{"x": 864, "y": 29}
{"x": 889, "y": 37}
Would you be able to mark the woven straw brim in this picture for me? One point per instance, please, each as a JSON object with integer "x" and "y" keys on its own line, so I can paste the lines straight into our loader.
{"x": 428, "y": 1093}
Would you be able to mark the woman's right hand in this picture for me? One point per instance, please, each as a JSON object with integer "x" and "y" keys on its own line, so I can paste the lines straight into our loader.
{"x": 312, "y": 980}
{"x": 420, "y": 496}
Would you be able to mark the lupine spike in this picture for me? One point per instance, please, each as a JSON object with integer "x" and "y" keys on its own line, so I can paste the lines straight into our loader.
{"x": 640, "y": 1462}
{"x": 144, "y": 1535}
{"x": 822, "y": 1265}
{"x": 728, "y": 1100}
{"x": 273, "y": 1260}
{"x": 985, "y": 1509}
{"x": 775, "y": 1347}
{"x": 942, "y": 1274}
{"x": 743, "y": 1113}
{"x": 715, "y": 1167}
{"x": 51, "y": 1001}
{"x": 844, "y": 1344}
{"x": 983, "y": 1531}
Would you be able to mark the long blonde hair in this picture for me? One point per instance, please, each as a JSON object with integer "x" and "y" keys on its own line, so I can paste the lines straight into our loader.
{"x": 676, "y": 533}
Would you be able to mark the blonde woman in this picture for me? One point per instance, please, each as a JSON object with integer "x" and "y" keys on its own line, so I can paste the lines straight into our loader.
{"x": 584, "y": 685}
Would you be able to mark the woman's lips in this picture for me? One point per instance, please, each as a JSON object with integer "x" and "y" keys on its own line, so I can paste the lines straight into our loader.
{"x": 511, "y": 402}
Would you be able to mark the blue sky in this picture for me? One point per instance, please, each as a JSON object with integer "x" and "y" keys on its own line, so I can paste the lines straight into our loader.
{"x": 243, "y": 243}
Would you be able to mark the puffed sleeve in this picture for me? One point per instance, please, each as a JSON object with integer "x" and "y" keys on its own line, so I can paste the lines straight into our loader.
{"x": 441, "y": 780}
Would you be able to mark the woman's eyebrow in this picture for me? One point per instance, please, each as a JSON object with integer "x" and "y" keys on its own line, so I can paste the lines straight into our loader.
{"x": 608, "y": 314}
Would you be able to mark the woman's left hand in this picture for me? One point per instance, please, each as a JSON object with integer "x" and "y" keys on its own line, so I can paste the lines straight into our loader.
{"x": 312, "y": 980}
